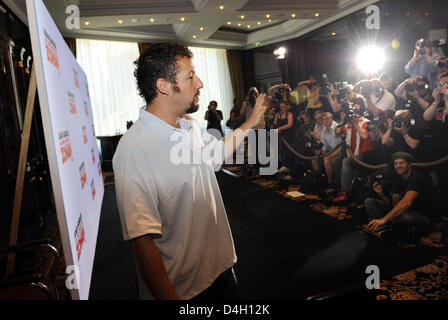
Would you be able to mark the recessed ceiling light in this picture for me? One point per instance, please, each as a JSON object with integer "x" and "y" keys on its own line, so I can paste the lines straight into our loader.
{"x": 120, "y": 21}
{"x": 316, "y": 14}
{"x": 333, "y": 33}
{"x": 248, "y": 26}
{"x": 194, "y": 36}
{"x": 201, "y": 28}
{"x": 229, "y": 23}
{"x": 87, "y": 23}
{"x": 293, "y": 15}
{"x": 152, "y": 20}
{"x": 242, "y": 16}
{"x": 268, "y": 16}
{"x": 239, "y": 24}
{"x": 259, "y": 22}
{"x": 135, "y": 20}
{"x": 269, "y": 20}
{"x": 182, "y": 19}
{"x": 221, "y": 7}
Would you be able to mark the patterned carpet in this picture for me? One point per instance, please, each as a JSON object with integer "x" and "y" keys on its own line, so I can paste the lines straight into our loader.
{"x": 428, "y": 282}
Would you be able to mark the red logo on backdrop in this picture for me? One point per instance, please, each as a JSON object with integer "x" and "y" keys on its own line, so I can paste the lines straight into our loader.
{"x": 84, "y": 134}
{"x": 93, "y": 130}
{"x": 66, "y": 147}
{"x": 52, "y": 53}
{"x": 87, "y": 90}
{"x": 79, "y": 236}
{"x": 86, "y": 110}
{"x": 92, "y": 185}
{"x": 75, "y": 78}
{"x": 99, "y": 168}
{"x": 71, "y": 102}
{"x": 93, "y": 156}
{"x": 82, "y": 175}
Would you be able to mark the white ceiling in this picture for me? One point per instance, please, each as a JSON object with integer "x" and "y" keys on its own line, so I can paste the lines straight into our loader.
{"x": 103, "y": 17}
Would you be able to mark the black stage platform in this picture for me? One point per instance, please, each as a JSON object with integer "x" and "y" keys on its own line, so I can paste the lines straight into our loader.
{"x": 285, "y": 249}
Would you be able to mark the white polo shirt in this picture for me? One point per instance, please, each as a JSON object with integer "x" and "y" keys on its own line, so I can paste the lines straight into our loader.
{"x": 328, "y": 138}
{"x": 385, "y": 102}
{"x": 181, "y": 203}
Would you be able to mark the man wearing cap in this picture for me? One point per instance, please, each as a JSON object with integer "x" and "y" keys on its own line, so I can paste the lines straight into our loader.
{"x": 412, "y": 204}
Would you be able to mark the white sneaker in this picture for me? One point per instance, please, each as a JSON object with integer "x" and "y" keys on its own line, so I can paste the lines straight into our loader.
{"x": 283, "y": 170}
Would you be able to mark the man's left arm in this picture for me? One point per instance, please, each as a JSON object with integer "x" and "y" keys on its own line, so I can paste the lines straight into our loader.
{"x": 402, "y": 206}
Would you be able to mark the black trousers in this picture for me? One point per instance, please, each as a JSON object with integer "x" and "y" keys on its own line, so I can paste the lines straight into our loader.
{"x": 225, "y": 287}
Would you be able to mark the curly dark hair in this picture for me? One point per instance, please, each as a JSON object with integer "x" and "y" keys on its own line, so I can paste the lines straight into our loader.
{"x": 158, "y": 61}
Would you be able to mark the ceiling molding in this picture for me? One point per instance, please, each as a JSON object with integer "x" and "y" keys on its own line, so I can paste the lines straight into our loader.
{"x": 18, "y": 9}
{"x": 198, "y": 14}
{"x": 320, "y": 23}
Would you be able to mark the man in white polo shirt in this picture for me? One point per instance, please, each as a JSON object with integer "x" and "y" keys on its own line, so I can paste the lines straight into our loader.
{"x": 170, "y": 205}
{"x": 379, "y": 99}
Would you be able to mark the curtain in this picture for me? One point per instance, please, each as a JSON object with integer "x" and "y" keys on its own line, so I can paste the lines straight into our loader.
{"x": 235, "y": 67}
{"x": 113, "y": 91}
{"x": 213, "y": 69}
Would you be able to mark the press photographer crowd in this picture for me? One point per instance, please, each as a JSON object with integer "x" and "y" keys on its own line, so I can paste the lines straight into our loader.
{"x": 380, "y": 142}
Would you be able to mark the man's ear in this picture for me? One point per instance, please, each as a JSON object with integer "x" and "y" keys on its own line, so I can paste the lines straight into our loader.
{"x": 163, "y": 86}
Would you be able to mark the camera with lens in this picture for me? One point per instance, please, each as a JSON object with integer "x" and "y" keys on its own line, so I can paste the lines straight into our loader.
{"x": 279, "y": 93}
{"x": 409, "y": 87}
{"x": 400, "y": 123}
{"x": 340, "y": 85}
{"x": 314, "y": 145}
{"x": 324, "y": 91}
{"x": 283, "y": 89}
{"x": 379, "y": 179}
{"x": 421, "y": 45}
{"x": 371, "y": 126}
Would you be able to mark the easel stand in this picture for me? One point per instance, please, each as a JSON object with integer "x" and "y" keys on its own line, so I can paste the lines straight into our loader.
{"x": 21, "y": 170}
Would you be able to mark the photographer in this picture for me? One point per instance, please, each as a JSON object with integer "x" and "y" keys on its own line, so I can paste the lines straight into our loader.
{"x": 283, "y": 122}
{"x": 377, "y": 98}
{"x": 423, "y": 62}
{"x": 401, "y": 135}
{"x": 330, "y": 141}
{"x": 436, "y": 116}
{"x": 236, "y": 119}
{"x": 416, "y": 93}
{"x": 303, "y": 142}
{"x": 214, "y": 118}
{"x": 279, "y": 92}
{"x": 360, "y": 141}
{"x": 411, "y": 207}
